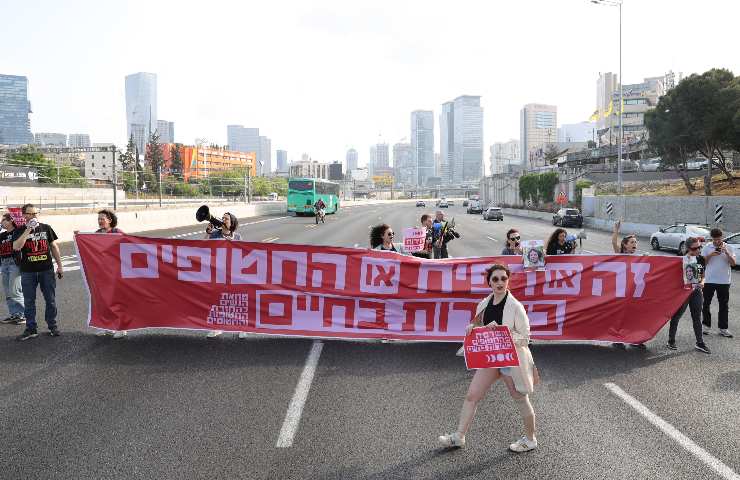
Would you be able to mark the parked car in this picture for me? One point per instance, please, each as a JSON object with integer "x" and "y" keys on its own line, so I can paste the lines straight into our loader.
{"x": 443, "y": 204}
{"x": 493, "y": 213}
{"x": 465, "y": 203}
{"x": 420, "y": 203}
{"x": 474, "y": 207}
{"x": 651, "y": 165}
{"x": 674, "y": 237}
{"x": 734, "y": 241}
{"x": 568, "y": 217}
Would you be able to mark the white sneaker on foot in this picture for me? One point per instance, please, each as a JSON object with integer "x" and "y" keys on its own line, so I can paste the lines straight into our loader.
{"x": 214, "y": 333}
{"x": 523, "y": 445}
{"x": 452, "y": 440}
{"x": 120, "y": 334}
{"x": 725, "y": 333}
{"x": 104, "y": 333}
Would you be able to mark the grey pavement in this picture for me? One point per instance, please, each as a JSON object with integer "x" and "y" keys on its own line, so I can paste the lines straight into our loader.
{"x": 174, "y": 405}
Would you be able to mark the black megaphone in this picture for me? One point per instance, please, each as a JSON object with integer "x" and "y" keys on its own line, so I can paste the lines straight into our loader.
{"x": 204, "y": 214}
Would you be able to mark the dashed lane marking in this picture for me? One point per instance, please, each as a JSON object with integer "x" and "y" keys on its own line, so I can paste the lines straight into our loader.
{"x": 493, "y": 239}
{"x": 270, "y": 239}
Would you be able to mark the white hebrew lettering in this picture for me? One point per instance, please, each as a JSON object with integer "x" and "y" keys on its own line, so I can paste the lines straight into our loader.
{"x": 128, "y": 250}
{"x": 184, "y": 254}
{"x": 239, "y": 263}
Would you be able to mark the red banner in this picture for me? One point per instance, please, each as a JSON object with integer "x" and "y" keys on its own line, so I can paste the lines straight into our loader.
{"x": 137, "y": 282}
{"x": 490, "y": 348}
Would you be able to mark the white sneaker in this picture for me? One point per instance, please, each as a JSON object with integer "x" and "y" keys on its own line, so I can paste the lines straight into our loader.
{"x": 104, "y": 333}
{"x": 214, "y": 333}
{"x": 120, "y": 334}
{"x": 460, "y": 352}
{"x": 452, "y": 440}
{"x": 243, "y": 335}
{"x": 725, "y": 333}
{"x": 523, "y": 445}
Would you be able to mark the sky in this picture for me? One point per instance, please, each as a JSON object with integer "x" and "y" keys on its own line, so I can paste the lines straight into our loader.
{"x": 322, "y": 76}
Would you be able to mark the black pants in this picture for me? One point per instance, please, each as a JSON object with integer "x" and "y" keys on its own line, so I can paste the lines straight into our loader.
{"x": 694, "y": 303}
{"x": 723, "y": 296}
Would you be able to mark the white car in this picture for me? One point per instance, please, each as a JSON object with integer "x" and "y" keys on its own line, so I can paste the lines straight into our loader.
{"x": 651, "y": 165}
{"x": 443, "y": 204}
{"x": 674, "y": 237}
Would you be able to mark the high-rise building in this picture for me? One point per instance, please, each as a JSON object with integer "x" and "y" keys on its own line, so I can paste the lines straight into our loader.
{"x": 82, "y": 140}
{"x": 335, "y": 171}
{"x": 15, "y": 125}
{"x": 577, "y": 132}
{"x": 379, "y": 159}
{"x": 606, "y": 85}
{"x": 166, "y": 131}
{"x": 141, "y": 107}
{"x": 505, "y": 157}
{"x": 55, "y": 139}
{"x": 537, "y": 128}
{"x": 352, "y": 158}
{"x": 281, "y": 158}
{"x": 99, "y": 165}
{"x": 310, "y": 169}
{"x": 265, "y": 155}
{"x": 461, "y": 140}
{"x": 422, "y": 145}
{"x": 404, "y": 165}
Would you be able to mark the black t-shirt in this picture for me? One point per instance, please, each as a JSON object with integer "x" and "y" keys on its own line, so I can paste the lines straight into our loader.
{"x": 556, "y": 249}
{"x": 37, "y": 249}
{"x": 6, "y": 242}
{"x": 495, "y": 313}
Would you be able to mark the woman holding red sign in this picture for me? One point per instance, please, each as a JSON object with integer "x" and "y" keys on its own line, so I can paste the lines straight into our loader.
{"x": 501, "y": 308}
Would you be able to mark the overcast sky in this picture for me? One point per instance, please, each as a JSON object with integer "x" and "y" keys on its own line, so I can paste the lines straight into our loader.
{"x": 320, "y": 76}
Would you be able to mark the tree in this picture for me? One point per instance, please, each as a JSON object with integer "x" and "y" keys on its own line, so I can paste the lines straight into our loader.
{"x": 528, "y": 187}
{"x": 176, "y": 158}
{"x": 580, "y": 185}
{"x": 47, "y": 170}
{"x": 154, "y": 156}
{"x": 670, "y": 137}
{"x": 546, "y": 183}
{"x": 129, "y": 157}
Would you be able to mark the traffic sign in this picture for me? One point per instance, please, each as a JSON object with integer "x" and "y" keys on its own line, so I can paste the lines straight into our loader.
{"x": 562, "y": 198}
{"x": 718, "y": 213}
{"x": 609, "y": 208}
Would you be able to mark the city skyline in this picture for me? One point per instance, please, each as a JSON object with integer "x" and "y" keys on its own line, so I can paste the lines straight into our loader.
{"x": 202, "y": 105}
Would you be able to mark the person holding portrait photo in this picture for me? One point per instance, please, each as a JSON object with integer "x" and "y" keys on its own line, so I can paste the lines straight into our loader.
{"x": 693, "y": 269}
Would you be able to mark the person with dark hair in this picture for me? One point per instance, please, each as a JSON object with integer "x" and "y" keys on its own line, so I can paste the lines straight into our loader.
{"x": 107, "y": 222}
{"x": 37, "y": 244}
{"x": 501, "y": 308}
{"x": 720, "y": 258}
{"x": 559, "y": 243}
{"x": 11, "y": 272}
{"x": 426, "y": 222}
{"x": 226, "y": 232}
{"x": 627, "y": 245}
{"x": 513, "y": 243}
{"x": 381, "y": 238}
{"x": 694, "y": 303}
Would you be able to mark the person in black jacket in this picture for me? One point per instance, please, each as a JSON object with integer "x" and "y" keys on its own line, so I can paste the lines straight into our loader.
{"x": 695, "y": 301}
{"x": 442, "y": 234}
{"x": 559, "y": 244}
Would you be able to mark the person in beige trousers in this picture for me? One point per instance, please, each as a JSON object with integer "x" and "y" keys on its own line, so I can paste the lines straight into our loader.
{"x": 501, "y": 308}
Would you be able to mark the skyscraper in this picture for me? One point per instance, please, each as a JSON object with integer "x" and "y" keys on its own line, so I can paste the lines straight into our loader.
{"x": 606, "y": 86}
{"x": 537, "y": 128}
{"x": 55, "y": 139}
{"x": 352, "y": 157}
{"x": 404, "y": 165}
{"x": 505, "y": 156}
{"x": 461, "y": 140}
{"x": 166, "y": 131}
{"x": 15, "y": 125}
{"x": 422, "y": 145}
{"x": 141, "y": 107}
{"x": 281, "y": 157}
{"x": 80, "y": 140}
{"x": 243, "y": 139}
{"x": 265, "y": 155}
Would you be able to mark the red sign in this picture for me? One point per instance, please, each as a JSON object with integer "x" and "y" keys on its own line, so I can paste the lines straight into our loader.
{"x": 17, "y": 214}
{"x": 317, "y": 291}
{"x": 490, "y": 348}
{"x": 562, "y": 198}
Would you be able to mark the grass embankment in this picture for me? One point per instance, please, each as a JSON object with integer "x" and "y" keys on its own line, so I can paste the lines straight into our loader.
{"x": 721, "y": 186}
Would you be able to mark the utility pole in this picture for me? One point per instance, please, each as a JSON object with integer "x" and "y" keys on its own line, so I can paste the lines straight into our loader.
{"x": 160, "y": 186}
{"x": 115, "y": 180}
{"x": 249, "y": 184}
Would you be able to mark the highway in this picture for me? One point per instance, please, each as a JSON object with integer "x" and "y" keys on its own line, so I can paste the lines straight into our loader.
{"x": 175, "y": 405}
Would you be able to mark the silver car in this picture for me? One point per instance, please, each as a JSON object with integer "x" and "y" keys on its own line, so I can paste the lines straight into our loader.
{"x": 674, "y": 237}
{"x": 493, "y": 213}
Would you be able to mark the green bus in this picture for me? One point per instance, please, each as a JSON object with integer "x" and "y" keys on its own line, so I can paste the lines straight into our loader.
{"x": 304, "y": 192}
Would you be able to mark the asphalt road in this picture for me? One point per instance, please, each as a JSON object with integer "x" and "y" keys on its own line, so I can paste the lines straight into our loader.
{"x": 178, "y": 406}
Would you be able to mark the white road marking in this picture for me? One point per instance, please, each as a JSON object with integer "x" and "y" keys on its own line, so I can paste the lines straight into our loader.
{"x": 270, "y": 239}
{"x": 711, "y": 461}
{"x": 293, "y": 416}
{"x": 491, "y": 238}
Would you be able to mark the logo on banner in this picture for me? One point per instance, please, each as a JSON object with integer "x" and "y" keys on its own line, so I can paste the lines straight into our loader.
{"x": 487, "y": 347}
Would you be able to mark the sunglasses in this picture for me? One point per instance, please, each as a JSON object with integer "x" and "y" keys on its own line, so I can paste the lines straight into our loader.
{"x": 515, "y": 239}
{"x": 390, "y": 234}
{"x": 499, "y": 279}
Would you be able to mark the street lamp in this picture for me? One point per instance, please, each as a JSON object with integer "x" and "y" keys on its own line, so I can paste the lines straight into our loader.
{"x": 618, "y": 3}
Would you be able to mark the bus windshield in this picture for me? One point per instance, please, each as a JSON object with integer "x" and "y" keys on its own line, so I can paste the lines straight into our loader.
{"x": 301, "y": 185}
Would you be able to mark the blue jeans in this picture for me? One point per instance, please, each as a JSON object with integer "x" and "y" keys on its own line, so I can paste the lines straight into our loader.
{"x": 48, "y": 284}
{"x": 12, "y": 286}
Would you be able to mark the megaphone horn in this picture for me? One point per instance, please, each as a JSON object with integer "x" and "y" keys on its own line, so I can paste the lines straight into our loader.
{"x": 204, "y": 214}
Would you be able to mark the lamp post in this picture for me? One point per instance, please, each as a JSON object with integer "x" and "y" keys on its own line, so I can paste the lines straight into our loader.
{"x": 618, "y": 4}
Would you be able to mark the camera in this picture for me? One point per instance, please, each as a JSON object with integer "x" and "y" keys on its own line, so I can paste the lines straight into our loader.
{"x": 32, "y": 223}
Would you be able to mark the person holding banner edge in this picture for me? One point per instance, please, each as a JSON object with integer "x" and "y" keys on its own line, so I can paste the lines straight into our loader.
{"x": 501, "y": 308}
{"x": 108, "y": 223}
{"x": 11, "y": 272}
{"x": 227, "y": 231}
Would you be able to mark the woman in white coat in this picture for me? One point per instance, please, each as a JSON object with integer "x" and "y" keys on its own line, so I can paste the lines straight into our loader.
{"x": 501, "y": 308}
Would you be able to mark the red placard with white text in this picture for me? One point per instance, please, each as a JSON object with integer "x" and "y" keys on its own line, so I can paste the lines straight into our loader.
{"x": 317, "y": 291}
{"x": 17, "y": 214}
{"x": 490, "y": 347}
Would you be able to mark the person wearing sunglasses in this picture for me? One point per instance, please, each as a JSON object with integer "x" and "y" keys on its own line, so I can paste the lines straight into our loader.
{"x": 695, "y": 301}
{"x": 381, "y": 238}
{"x": 513, "y": 243}
{"x": 501, "y": 308}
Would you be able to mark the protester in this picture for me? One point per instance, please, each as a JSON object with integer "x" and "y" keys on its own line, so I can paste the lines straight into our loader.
{"x": 720, "y": 258}
{"x": 693, "y": 246}
{"x": 627, "y": 245}
{"x": 513, "y": 243}
{"x": 427, "y": 223}
{"x": 226, "y": 232}
{"x": 559, "y": 244}
{"x": 108, "y": 223}
{"x": 381, "y": 238}
{"x": 501, "y": 308}
{"x": 442, "y": 235}
{"x": 11, "y": 272}
{"x": 37, "y": 244}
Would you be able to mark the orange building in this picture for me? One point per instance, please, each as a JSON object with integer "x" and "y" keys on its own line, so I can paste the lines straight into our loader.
{"x": 198, "y": 162}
